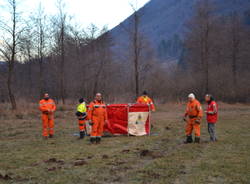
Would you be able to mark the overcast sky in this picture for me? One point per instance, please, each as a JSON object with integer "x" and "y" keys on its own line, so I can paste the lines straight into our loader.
{"x": 85, "y": 12}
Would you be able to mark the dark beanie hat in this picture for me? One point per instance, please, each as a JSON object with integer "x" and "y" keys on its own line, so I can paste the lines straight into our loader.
{"x": 81, "y": 100}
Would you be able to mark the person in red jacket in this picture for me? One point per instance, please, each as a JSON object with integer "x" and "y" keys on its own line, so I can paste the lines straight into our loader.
{"x": 212, "y": 116}
{"x": 97, "y": 116}
{"x": 47, "y": 107}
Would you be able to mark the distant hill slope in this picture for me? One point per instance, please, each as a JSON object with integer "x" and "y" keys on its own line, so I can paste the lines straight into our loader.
{"x": 162, "y": 22}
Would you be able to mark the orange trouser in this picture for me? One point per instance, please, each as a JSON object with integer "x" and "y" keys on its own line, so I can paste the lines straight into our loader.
{"x": 48, "y": 124}
{"x": 192, "y": 125}
{"x": 81, "y": 124}
{"x": 97, "y": 127}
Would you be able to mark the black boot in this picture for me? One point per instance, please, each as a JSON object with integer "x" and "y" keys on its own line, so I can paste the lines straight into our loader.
{"x": 92, "y": 140}
{"x": 98, "y": 140}
{"x": 189, "y": 139}
{"x": 197, "y": 140}
{"x": 82, "y": 134}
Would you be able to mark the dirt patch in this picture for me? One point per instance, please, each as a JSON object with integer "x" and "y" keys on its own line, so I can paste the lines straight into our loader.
{"x": 144, "y": 153}
{"x": 116, "y": 163}
{"x": 54, "y": 160}
{"x": 5, "y": 177}
{"x": 105, "y": 156}
{"x": 125, "y": 151}
{"x": 167, "y": 128}
{"x": 151, "y": 174}
{"x": 34, "y": 164}
{"x": 54, "y": 168}
{"x": 152, "y": 154}
{"x": 80, "y": 163}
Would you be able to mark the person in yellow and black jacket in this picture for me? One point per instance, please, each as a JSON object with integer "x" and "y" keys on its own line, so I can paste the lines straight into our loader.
{"x": 81, "y": 115}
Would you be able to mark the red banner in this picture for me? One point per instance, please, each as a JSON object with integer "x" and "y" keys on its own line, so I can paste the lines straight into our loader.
{"x": 128, "y": 119}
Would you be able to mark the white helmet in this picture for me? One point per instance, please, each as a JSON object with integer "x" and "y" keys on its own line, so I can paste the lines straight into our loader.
{"x": 191, "y": 95}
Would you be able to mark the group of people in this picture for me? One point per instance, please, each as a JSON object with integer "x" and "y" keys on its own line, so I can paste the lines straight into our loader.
{"x": 96, "y": 115}
{"x": 193, "y": 116}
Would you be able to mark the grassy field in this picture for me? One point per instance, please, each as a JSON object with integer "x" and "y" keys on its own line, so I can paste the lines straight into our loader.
{"x": 161, "y": 158}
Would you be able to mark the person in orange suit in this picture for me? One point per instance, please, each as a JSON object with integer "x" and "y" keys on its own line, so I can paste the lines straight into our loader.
{"x": 193, "y": 116}
{"x": 47, "y": 107}
{"x": 97, "y": 116}
{"x": 144, "y": 99}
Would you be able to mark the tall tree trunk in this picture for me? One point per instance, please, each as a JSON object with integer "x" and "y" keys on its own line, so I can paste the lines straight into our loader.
{"x": 9, "y": 84}
{"x": 29, "y": 72}
{"x": 62, "y": 89}
{"x": 41, "y": 81}
{"x": 136, "y": 54}
{"x": 12, "y": 60}
{"x": 40, "y": 52}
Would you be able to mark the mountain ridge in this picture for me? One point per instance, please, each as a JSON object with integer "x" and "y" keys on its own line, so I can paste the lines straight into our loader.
{"x": 162, "y": 22}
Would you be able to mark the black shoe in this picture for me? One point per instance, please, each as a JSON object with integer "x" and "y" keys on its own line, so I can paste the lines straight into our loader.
{"x": 82, "y": 135}
{"x": 98, "y": 140}
{"x": 50, "y": 136}
{"x": 197, "y": 140}
{"x": 92, "y": 140}
{"x": 188, "y": 140}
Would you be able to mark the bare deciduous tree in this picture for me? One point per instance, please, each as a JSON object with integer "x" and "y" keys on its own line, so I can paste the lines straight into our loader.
{"x": 12, "y": 31}
{"x": 201, "y": 28}
{"x": 60, "y": 21}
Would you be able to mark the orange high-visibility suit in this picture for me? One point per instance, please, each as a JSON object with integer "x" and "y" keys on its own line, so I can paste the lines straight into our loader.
{"x": 47, "y": 107}
{"x": 146, "y": 100}
{"x": 194, "y": 112}
{"x": 97, "y": 113}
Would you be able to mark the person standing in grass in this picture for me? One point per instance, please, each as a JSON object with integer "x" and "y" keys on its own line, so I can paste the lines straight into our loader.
{"x": 212, "y": 116}
{"x": 81, "y": 115}
{"x": 192, "y": 117}
{"x": 47, "y": 107}
{"x": 97, "y": 116}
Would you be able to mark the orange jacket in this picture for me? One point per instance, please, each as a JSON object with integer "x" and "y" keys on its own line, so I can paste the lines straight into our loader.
{"x": 97, "y": 110}
{"x": 146, "y": 100}
{"x": 194, "y": 109}
{"x": 47, "y": 105}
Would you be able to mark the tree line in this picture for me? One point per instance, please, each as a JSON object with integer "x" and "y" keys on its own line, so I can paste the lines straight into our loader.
{"x": 51, "y": 54}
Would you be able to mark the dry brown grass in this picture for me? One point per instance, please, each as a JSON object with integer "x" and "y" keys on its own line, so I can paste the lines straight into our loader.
{"x": 161, "y": 158}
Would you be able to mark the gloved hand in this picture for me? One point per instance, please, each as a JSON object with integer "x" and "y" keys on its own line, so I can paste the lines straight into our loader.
{"x": 198, "y": 121}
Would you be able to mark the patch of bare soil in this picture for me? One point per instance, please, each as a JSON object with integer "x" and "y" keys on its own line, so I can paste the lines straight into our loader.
{"x": 152, "y": 154}
{"x": 5, "y": 177}
{"x": 125, "y": 151}
{"x": 54, "y": 160}
{"x": 105, "y": 156}
{"x": 151, "y": 174}
{"x": 54, "y": 168}
{"x": 80, "y": 163}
